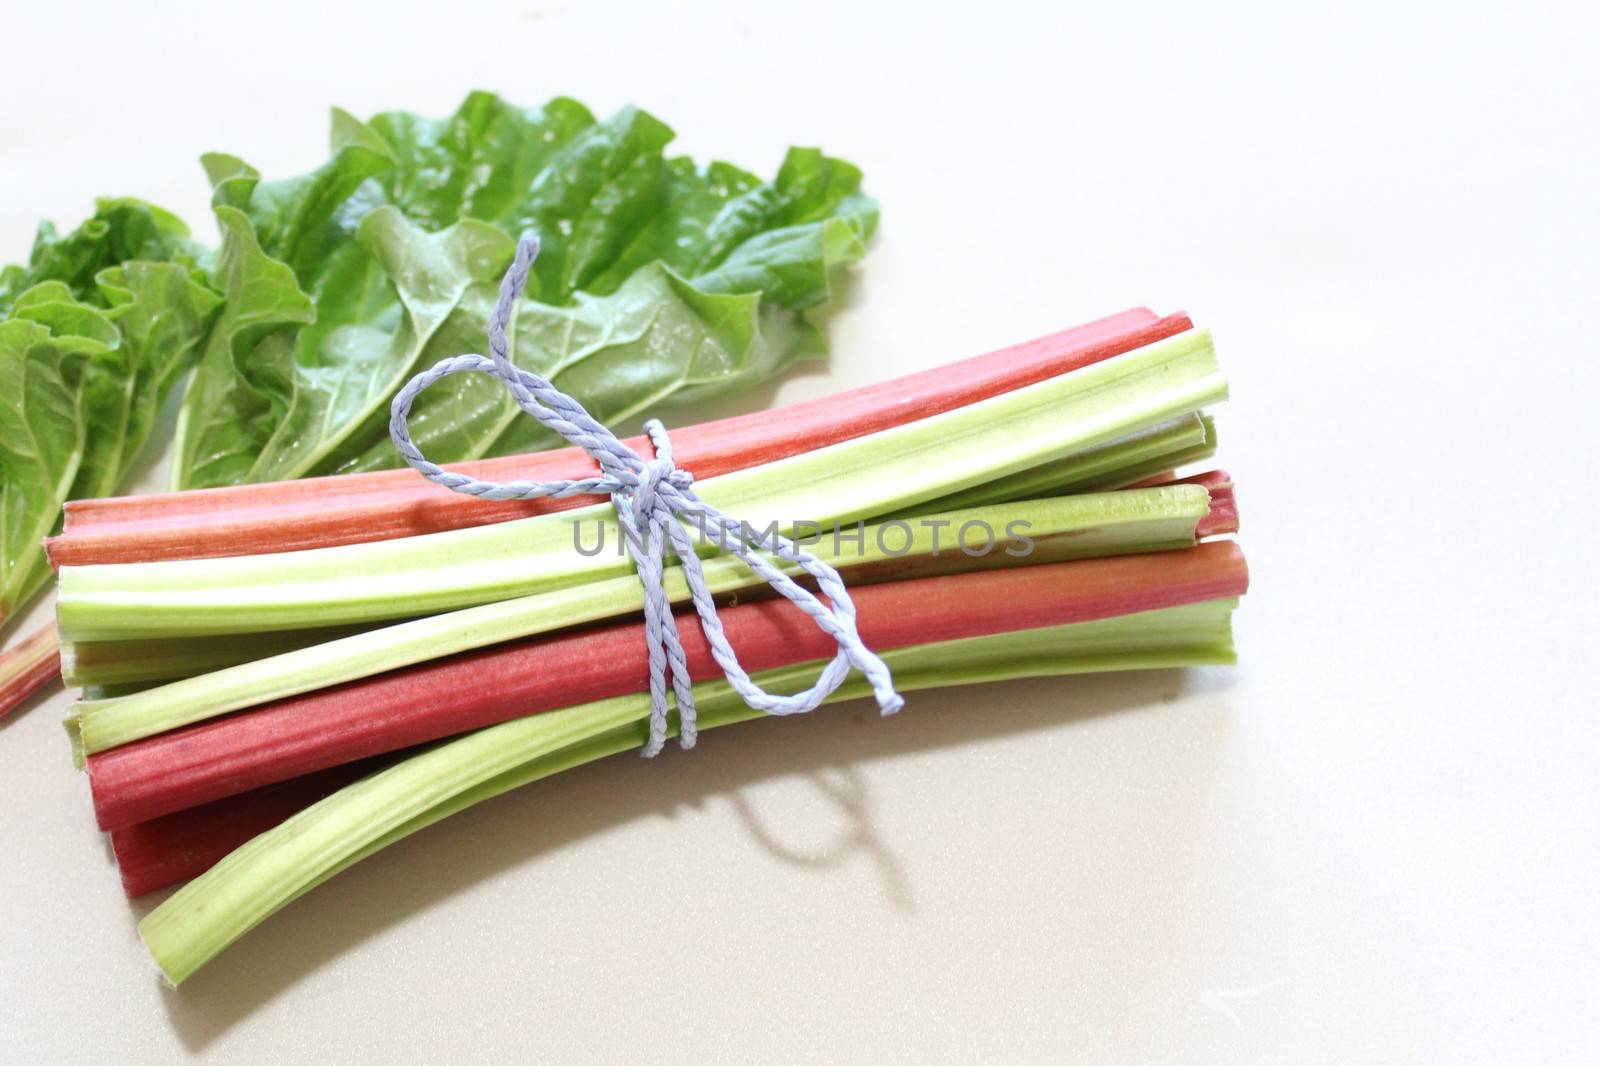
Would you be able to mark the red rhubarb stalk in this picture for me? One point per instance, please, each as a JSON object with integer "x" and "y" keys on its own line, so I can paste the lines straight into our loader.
{"x": 283, "y": 740}
{"x": 28, "y": 666}
{"x": 320, "y": 512}
{"x": 1224, "y": 514}
{"x": 164, "y": 851}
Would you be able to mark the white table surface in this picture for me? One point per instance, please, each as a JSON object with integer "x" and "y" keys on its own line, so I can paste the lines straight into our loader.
{"x": 1376, "y": 840}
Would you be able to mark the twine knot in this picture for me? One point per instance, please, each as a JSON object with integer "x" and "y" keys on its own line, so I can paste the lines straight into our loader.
{"x": 652, "y": 499}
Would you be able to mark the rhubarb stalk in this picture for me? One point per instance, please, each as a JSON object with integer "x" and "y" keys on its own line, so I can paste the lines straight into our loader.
{"x": 1071, "y": 527}
{"x": 28, "y": 666}
{"x": 278, "y": 866}
{"x": 206, "y": 762}
{"x": 881, "y": 474}
{"x": 176, "y": 847}
{"x": 327, "y": 511}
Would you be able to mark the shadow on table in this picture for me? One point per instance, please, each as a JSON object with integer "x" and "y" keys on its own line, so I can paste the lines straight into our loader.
{"x": 511, "y": 829}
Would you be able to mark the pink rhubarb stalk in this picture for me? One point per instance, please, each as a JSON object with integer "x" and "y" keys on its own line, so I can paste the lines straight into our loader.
{"x": 28, "y": 666}
{"x": 164, "y": 851}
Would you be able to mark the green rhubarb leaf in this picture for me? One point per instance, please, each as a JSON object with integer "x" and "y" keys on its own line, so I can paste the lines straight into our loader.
{"x": 100, "y": 324}
{"x": 659, "y": 281}
{"x": 317, "y": 369}
{"x": 656, "y": 338}
{"x": 245, "y": 378}
{"x": 163, "y": 312}
{"x": 120, "y": 231}
{"x": 45, "y": 346}
{"x": 302, "y": 323}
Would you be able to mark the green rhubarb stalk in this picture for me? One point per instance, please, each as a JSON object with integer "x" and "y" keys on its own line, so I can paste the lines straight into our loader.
{"x": 1072, "y": 527}
{"x": 214, "y": 910}
{"x": 1133, "y": 472}
{"x": 880, "y": 474}
{"x": 1110, "y": 466}
{"x": 102, "y": 663}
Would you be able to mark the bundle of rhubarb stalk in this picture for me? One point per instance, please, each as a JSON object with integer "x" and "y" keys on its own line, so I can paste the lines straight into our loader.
{"x": 281, "y": 679}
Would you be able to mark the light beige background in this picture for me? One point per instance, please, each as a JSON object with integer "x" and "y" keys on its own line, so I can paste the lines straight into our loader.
{"x": 1374, "y": 841}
